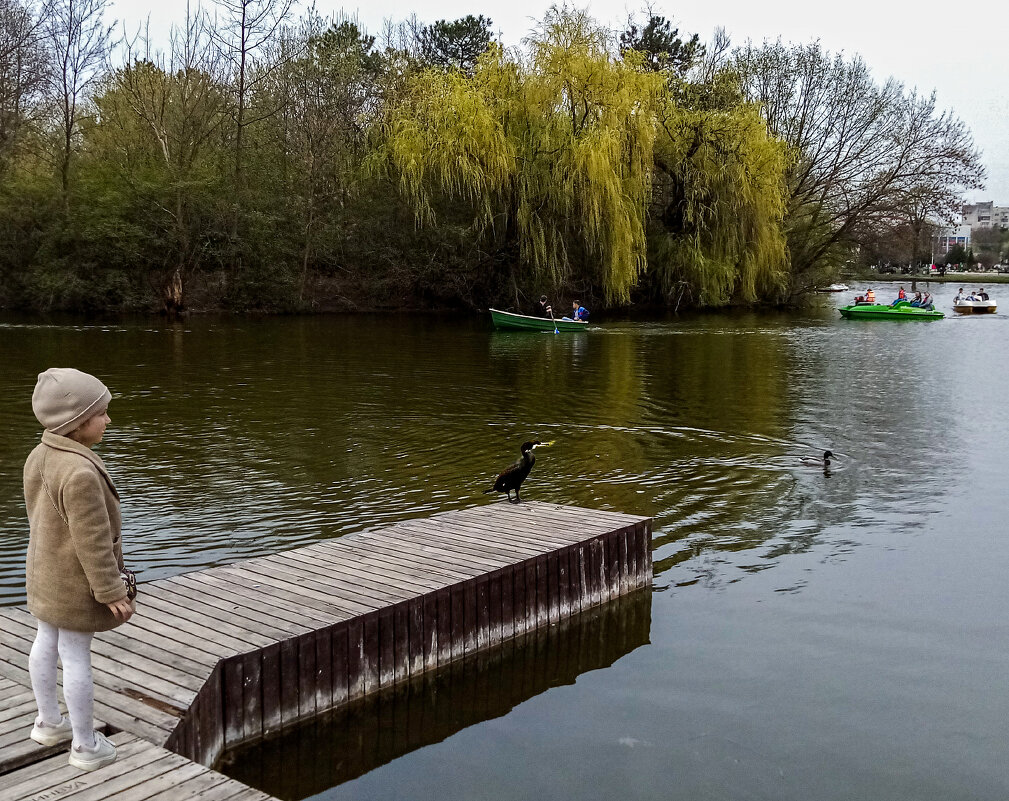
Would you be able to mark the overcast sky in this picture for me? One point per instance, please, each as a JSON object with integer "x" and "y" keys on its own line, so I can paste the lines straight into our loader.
{"x": 960, "y": 52}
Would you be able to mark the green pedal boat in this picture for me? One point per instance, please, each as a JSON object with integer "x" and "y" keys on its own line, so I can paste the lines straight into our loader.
{"x": 878, "y": 311}
{"x": 524, "y": 322}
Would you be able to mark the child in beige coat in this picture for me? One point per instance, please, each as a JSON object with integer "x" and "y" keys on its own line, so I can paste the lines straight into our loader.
{"x": 75, "y": 562}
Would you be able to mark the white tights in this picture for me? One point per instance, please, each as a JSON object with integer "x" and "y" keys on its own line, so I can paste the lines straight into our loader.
{"x": 74, "y": 650}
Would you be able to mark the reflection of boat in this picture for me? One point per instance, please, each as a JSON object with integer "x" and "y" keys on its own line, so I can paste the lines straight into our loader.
{"x": 901, "y": 311}
{"x": 965, "y": 306}
{"x": 834, "y": 288}
{"x": 525, "y": 322}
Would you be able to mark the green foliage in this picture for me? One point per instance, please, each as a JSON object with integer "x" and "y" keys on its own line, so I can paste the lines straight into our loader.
{"x": 718, "y": 206}
{"x": 553, "y": 156}
{"x": 317, "y": 172}
{"x": 661, "y": 46}
{"x": 455, "y": 44}
{"x": 957, "y": 255}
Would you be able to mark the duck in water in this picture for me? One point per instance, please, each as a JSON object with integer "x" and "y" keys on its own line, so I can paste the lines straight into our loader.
{"x": 810, "y": 461}
{"x": 512, "y": 478}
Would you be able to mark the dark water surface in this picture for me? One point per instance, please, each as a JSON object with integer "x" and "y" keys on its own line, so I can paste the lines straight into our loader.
{"x": 810, "y": 635}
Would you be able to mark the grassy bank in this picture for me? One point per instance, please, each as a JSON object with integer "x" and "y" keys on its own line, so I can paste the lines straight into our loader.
{"x": 950, "y": 278}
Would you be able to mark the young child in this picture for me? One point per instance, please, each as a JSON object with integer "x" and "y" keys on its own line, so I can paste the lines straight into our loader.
{"x": 579, "y": 312}
{"x": 75, "y": 560}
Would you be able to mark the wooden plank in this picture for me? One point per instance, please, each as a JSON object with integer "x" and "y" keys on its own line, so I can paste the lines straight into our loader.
{"x": 481, "y": 556}
{"x": 507, "y": 603}
{"x": 210, "y": 723}
{"x": 553, "y": 587}
{"x": 143, "y": 662}
{"x": 352, "y": 584}
{"x": 252, "y": 696}
{"x": 341, "y": 676}
{"x": 512, "y": 528}
{"x": 120, "y": 775}
{"x": 242, "y": 610}
{"x": 379, "y": 564}
{"x": 415, "y": 656}
{"x": 520, "y": 619}
{"x": 401, "y": 641}
{"x": 125, "y": 710}
{"x": 270, "y": 678}
{"x": 15, "y": 705}
{"x": 494, "y": 607}
{"x": 471, "y": 618}
{"x": 386, "y": 647}
{"x": 157, "y": 649}
{"x": 380, "y": 553}
{"x": 431, "y": 547}
{"x": 430, "y": 633}
{"x": 360, "y": 575}
{"x": 177, "y": 775}
{"x": 193, "y": 646}
{"x": 306, "y": 676}
{"x": 532, "y": 602}
{"x": 215, "y": 621}
{"x": 596, "y": 577}
{"x": 323, "y": 669}
{"x": 355, "y": 658}
{"x": 457, "y": 635}
{"x": 370, "y": 662}
{"x": 482, "y": 606}
{"x": 55, "y": 772}
{"x": 234, "y": 701}
{"x": 304, "y": 597}
{"x": 290, "y": 677}
{"x": 112, "y": 670}
{"x": 277, "y": 596}
{"x": 477, "y": 541}
{"x": 255, "y": 602}
{"x": 518, "y": 539}
{"x": 542, "y": 592}
{"x": 579, "y": 522}
{"x": 563, "y": 583}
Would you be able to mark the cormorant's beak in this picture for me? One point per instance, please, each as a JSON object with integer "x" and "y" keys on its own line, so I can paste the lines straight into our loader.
{"x": 544, "y": 444}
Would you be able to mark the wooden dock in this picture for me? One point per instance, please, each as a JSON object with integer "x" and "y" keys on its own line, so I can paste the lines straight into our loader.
{"x": 230, "y": 655}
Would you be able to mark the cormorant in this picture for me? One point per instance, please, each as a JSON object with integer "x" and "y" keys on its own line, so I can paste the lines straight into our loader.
{"x": 512, "y": 478}
{"x": 811, "y": 462}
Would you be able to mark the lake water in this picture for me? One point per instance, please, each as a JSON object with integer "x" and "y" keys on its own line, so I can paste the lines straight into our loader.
{"x": 810, "y": 635}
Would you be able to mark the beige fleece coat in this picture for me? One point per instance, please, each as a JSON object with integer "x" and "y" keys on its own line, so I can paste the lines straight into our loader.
{"x": 74, "y": 550}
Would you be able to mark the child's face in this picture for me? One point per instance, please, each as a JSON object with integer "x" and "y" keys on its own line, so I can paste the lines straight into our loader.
{"x": 92, "y": 431}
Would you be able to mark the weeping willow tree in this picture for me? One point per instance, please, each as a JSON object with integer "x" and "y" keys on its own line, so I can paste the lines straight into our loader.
{"x": 553, "y": 154}
{"x": 716, "y": 220}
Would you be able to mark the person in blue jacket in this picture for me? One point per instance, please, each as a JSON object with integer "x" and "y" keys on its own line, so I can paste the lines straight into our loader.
{"x": 579, "y": 312}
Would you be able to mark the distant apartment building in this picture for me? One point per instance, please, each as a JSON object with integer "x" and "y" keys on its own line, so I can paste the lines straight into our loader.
{"x": 986, "y": 215}
{"x": 950, "y": 237}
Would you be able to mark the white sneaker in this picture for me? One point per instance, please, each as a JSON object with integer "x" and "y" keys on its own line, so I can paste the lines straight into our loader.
{"x": 104, "y": 753}
{"x": 52, "y": 733}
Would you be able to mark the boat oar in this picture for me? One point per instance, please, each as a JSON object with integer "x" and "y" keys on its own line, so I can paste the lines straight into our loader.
{"x": 553, "y": 320}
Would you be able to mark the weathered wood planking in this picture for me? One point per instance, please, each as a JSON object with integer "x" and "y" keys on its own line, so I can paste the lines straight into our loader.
{"x": 142, "y": 772}
{"x": 231, "y": 654}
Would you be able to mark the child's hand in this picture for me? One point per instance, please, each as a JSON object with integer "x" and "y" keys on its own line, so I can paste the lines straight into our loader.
{"x": 121, "y": 609}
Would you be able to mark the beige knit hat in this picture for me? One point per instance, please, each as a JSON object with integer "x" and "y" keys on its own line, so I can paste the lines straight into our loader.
{"x": 65, "y": 398}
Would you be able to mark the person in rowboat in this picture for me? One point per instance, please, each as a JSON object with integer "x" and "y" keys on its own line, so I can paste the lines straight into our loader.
{"x": 578, "y": 312}
{"x": 542, "y": 308}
